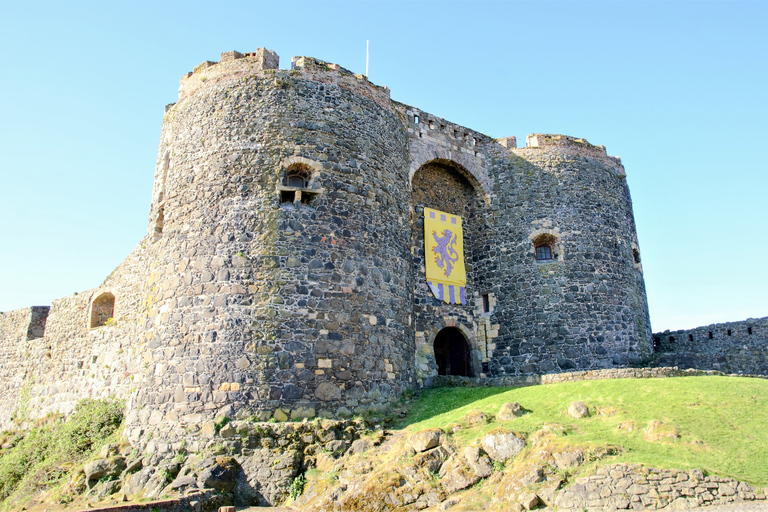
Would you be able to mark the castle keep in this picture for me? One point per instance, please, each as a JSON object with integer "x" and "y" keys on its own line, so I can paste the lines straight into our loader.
{"x": 283, "y": 271}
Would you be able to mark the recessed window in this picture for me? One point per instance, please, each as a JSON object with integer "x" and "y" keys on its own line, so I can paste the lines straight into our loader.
{"x": 729, "y": 332}
{"x": 709, "y": 334}
{"x": 416, "y": 119}
{"x": 690, "y": 337}
{"x": 636, "y": 255}
{"x": 159, "y": 220}
{"x": 543, "y": 253}
{"x": 486, "y": 303}
{"x": 544, "y": 245}
{"x": 672, "y": 338}
{"x": 102, "y": 310}
{"x": 749, "y": 330}
{"x": 296, "y": 180}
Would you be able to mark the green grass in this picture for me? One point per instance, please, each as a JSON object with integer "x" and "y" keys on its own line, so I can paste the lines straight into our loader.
{"x": 43, "y": 457}
{"x": 722, "y": 421}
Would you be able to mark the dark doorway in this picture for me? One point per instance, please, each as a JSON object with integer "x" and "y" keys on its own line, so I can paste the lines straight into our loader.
{"x": 452, "y": 353}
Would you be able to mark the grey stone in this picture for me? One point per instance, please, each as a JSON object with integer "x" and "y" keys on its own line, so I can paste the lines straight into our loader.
{"x": 501, "y": 444}
{"x": 578, "y": 410}
{"x": 426, "y": 439}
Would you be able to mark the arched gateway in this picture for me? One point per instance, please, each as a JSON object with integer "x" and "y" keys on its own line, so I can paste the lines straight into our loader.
{"x": 452, "y": 353}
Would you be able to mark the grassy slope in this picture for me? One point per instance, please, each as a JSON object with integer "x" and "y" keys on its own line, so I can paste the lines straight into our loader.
{"x": 722, "y": 421}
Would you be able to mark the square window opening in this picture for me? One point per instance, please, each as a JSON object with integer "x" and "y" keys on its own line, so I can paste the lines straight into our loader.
{"x": 543, "y": 253}
{"x": 287, "y": 196}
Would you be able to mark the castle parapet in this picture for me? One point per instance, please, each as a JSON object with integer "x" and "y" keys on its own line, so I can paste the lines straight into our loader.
{"x": 568, "y": 146}
{"x": 258, "y": 64}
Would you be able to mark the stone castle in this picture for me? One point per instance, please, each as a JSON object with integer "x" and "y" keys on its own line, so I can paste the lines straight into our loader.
{"x": 282, "y": 275}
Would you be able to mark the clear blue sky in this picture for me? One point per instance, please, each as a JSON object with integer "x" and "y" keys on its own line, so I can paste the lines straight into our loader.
{"x": 677, "y": 89}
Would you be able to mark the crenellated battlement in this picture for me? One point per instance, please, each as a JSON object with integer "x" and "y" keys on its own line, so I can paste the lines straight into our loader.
{"x": 264, "y": 63}
{"x": 567, "y": 146}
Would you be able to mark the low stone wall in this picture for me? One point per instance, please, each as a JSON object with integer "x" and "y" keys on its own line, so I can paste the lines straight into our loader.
{"x": 731, "y": 347}
{"x": 554, "y": 378}
{"x": 630, "y": 486}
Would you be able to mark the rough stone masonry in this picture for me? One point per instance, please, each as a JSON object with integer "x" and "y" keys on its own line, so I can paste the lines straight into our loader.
{"x": 282, "y": 274}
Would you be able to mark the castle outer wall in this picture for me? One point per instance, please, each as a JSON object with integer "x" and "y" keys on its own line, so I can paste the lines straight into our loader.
{"x": 282, "y": 275}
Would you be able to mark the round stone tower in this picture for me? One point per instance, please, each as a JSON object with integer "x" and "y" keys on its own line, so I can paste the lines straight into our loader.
{"x": 281, "y": 235}
{"x": 566, "y": 280}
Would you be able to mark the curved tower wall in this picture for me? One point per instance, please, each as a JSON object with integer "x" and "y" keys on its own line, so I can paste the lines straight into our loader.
{"x": 272, "y": 308}
{"x": 587, "y": 307}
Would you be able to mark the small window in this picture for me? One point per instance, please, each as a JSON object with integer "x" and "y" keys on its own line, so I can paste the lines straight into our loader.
{"x": 102, "y": 310}
{"x": 297, "y": 175}
{"x": 710, "y": 334}
{"x": 415, "y": 119}
{"x": 690, "y": 337}
{"x": 636, "y": 255}
{"x": 295, "y": 180}
{"x": 729, "y": 332}
{"x": 543, "y": 253}
{"x": 287, "y": 196}
{"x": 486, "y": 303}
{"x": 544, "y": 246}
{"x": 672, "y": 339}
{"x": 749, "y": 330}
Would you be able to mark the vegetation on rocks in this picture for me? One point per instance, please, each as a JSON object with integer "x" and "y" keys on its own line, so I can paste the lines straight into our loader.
{"x": 43, "y": 456}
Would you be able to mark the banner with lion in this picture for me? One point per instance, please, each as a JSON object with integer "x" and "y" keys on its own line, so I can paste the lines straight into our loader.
{"x": 444, "y": 256}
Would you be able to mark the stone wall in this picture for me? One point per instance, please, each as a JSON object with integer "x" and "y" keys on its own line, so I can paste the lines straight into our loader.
{"x": 732, "y": 347}
{"x": 637, "y": 487}
{"x": 586, "y": 308}
{"x": 71, "y": 361}
{"x": 270, "y": 300}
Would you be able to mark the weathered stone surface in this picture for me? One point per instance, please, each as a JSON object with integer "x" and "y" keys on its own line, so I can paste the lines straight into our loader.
{"x": 578, "y": 410}
{"x": 426, "y": 439}
{"x": 510, "y": 411}
{"x": 222, "y": 475}
{"x": 567, "y": 460}
{"x": 431, "y": 459}
{"x": 502, "y": 444}
{"x": 477, "y": 459}
{"x": 476, "y": 417}
{"x": 361, "y": 446}
{"x": 104, "y": 468}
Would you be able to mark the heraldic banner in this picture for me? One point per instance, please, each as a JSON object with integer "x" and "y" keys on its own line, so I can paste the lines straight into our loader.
{"x": 444, "y": 256}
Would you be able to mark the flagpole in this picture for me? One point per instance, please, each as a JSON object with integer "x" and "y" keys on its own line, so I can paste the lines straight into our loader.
{"x": 366, "y": 58}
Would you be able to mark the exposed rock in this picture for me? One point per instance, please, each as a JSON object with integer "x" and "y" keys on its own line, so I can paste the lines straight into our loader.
{"x": 455, "y": 476}
{"x": 528, "y": 500}
{"x": 337, "y": 448}
{"x": 361, "y": 446}
{"x": 227, "y": 431}
{"x": 104, "y": 468}
{"x": 479, "y": 461}
{"x": 476, "y": 417}
{"x": 136, "y": 483}
{"x": 108, "y": 488}
{"x": 426, "y": 439}
{"x": 221, "y": 476}
{"x": 502, "y": 444}
{"x": 432, "y": 459}
{"x": 510, "y": 411}
{"x": 578, "y": 410}
{"x": 566, "y": 460}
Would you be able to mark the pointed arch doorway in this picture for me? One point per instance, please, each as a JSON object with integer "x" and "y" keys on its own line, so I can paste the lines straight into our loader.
{"x": 452, "y": 353}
